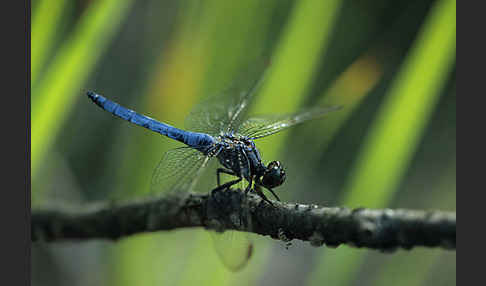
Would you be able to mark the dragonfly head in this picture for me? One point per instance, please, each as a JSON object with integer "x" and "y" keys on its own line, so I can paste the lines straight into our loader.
{"x": 274, "y": 175}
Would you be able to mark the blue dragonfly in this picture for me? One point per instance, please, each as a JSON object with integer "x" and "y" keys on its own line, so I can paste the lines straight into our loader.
{"x": 220, "y": 130}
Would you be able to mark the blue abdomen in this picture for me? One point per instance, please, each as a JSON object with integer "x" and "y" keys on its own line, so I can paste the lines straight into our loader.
{"x": 200, "y": 141}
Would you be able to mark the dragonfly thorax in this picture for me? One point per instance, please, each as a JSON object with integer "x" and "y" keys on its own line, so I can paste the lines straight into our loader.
{"x": 240, "y": 155}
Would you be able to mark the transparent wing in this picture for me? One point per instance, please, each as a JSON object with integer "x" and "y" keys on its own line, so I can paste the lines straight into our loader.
{"x": 209, "y": 116}
{"x": 234, "y": 248}
{"x": 178, "y": 170}
{"x": 258, "y": 127}
{"x": 224, "y": 112}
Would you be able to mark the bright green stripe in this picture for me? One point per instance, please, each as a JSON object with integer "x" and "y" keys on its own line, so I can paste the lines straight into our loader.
{"x": 56, "y": 94}
{"x": 44, "y": 24}
{"x": 295, "y": 62}
{"x": 395, "y": 133}
{"x": 402, "y": 119}
{"x": 292, "y": 69}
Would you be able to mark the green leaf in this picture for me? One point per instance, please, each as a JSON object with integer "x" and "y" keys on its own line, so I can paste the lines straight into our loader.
{"x": 54, "y": 96}
{"x": 395, "y": 133}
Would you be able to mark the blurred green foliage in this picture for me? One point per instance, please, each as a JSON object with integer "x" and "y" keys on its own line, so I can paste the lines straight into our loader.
{"x": 390, "y": 64}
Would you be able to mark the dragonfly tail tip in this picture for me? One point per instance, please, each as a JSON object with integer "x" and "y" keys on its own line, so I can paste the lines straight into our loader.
{"x": 92, "y": 95}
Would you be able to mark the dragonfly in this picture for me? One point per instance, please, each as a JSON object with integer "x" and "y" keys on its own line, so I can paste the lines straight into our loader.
{"x": 219, "y": 129}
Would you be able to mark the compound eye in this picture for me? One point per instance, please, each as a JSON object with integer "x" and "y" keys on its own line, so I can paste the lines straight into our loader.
{"x": 274, "y": 175}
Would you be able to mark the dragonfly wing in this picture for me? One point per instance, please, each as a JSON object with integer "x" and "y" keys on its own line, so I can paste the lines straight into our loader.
{"x": 224, "y": 112}
{"x": 238, "y": 111}
{"x": 178, "y": 170}
{"x": 234, "y": 248}
{"x": 209, "y": 117}
{"x": 258, "y": 127}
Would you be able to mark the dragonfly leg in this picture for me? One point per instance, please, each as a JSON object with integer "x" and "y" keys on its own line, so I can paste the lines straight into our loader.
{"x": 275, "y": 195}
{"x": 261, "y": 194}
{"x": 225, "y": 171}
{"x": 226, "y": 185}
{"x": 248, "y": 188}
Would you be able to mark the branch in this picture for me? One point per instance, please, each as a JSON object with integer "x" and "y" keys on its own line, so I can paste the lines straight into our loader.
{"x": 377, "y": 229}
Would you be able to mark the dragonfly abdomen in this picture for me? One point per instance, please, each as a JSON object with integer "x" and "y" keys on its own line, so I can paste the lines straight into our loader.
{"x": 199, "y": 141}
